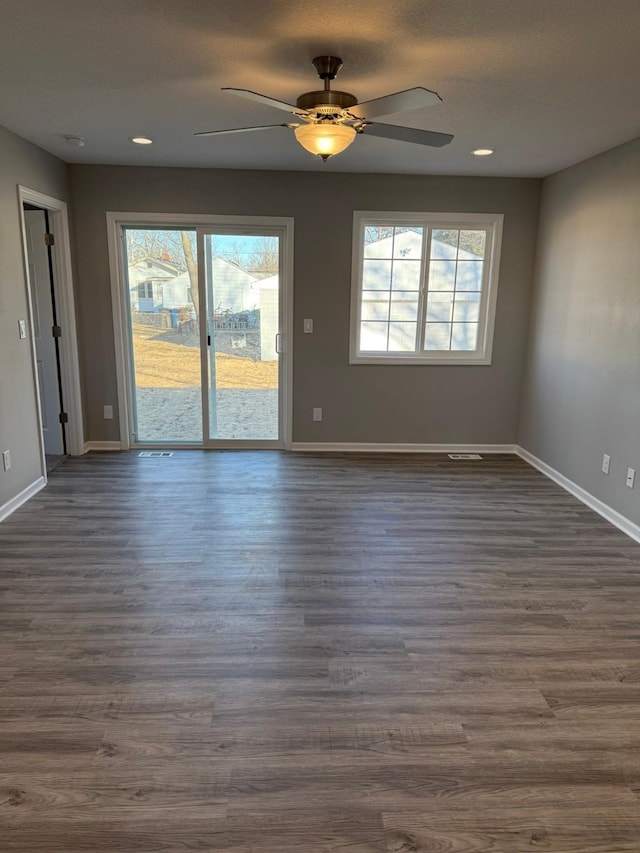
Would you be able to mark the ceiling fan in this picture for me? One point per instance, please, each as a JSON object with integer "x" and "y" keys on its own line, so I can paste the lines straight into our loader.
{"x": 331, "y": 120}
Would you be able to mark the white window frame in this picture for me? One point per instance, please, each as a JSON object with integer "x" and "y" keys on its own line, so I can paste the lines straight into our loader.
{"x": 429, "y": 221}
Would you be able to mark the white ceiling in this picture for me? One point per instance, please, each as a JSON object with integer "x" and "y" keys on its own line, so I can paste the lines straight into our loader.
{"x": 547, "y": 83}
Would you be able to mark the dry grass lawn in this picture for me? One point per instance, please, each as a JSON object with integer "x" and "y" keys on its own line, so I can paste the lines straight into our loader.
{"x": 160, "y": 364}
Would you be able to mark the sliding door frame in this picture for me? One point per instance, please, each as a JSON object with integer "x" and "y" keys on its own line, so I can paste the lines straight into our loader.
{"x": 116, "y": 223}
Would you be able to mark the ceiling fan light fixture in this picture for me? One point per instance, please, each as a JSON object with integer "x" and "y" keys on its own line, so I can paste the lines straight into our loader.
{"x": 326, "y": 139}
{"x": 483, "y": 152}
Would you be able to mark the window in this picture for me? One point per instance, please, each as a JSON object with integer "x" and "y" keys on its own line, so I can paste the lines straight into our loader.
{"x": 424, "y": 287}
{"x": 145, "y": 290}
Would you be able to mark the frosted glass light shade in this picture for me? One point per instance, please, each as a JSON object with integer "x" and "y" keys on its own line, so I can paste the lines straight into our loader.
{"x": 325, "y": 139}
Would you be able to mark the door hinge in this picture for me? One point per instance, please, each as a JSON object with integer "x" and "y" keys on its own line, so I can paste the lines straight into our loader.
{"x": 49, "y": 240}
{"x": 56, "y": 331}
{"x": 64, "y": 418}
{"x": 208, "y": 340}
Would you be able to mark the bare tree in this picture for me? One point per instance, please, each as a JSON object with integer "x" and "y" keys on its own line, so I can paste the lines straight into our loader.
{"x": 192, "y": 268}
{"x": 259, "y": 255}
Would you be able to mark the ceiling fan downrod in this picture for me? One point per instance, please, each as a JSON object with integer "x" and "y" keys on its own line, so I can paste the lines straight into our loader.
{"x": 326, "y": 102}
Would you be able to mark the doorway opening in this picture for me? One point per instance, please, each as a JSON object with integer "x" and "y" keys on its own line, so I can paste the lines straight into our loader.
{"x": 40, "y": 239}
{"x": 51, "y": 327}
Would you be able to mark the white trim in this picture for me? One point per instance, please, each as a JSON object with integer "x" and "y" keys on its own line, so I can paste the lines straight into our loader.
{"x": 222, "y": 444}
{"x": 115, "y": 221}
{"x": 371, "y": 447}
{"x": 63, "y": 286}
{"x": 611, "y": 515}
{"x": 118, "y": 309}
{"x": 286, "y": 357}
{"x": 22, "y": 497}
{"x": 101, "y": 445}
{"x": 493, "y": 223}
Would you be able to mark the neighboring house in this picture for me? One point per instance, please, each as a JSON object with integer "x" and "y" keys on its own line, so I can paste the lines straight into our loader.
{"x": 392, "y": 273}
{"x": 267, "y": 290}
{"x": 147, "y": 281}
{"x": 232, "y": 289}
{"x": 155, "y": 285}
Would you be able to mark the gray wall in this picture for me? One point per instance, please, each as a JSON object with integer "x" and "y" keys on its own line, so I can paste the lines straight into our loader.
{"x": 20, "y": 163}
{"x": 581, "y": 395}
{"x": 367, "y": 403}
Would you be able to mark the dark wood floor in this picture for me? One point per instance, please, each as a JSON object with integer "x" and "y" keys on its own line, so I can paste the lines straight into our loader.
{"x": 269, "y": 653}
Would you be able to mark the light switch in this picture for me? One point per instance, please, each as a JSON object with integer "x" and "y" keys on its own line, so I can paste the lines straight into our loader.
{"x": 22, "y": 329}
{"x": 308, "y": 327}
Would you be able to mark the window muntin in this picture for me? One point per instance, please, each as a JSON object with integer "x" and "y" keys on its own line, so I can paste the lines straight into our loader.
{"x": 424, "y": 287}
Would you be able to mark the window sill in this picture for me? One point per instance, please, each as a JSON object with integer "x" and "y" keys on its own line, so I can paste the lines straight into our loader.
{"x": 436, "y": 360}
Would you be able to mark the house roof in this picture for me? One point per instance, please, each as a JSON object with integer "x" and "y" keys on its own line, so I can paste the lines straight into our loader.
{"x": 545, "y": 83}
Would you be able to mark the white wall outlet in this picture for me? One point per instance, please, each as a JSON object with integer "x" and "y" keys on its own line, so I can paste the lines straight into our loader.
{"x": 22, "y": 329}
{"x": 108, "y": 413}
{"x": 308, "y": 327}
{"x": 606, "y": 462}
{"x": 631, "y": 476}
{"x": 6, "y": 460}
{"x": 317, "y": 414}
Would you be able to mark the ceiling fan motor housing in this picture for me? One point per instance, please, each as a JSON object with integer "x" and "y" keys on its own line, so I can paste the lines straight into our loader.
{"x": 326, "y": 102}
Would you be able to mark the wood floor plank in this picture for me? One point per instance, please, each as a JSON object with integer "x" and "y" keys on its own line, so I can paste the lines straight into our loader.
{"x": 262, "y": 652}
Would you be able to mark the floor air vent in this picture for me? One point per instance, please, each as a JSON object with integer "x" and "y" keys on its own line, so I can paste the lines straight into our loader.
{"x": 464, "y": 456}
{"x": 155, "y": 453}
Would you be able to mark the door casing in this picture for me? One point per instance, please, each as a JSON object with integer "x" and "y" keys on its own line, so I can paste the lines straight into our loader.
{"x": 68, "y": 343}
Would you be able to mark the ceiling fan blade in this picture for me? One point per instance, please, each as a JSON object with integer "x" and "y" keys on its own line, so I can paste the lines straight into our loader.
{"x": 263, "y": 99}
{"x": 241, "y": 129}
{"x": 398, "y": 102}
{"x": 408, "y": 134}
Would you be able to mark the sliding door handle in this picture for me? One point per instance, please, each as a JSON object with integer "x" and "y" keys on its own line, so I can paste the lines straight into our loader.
{"x": 279, "y": 343}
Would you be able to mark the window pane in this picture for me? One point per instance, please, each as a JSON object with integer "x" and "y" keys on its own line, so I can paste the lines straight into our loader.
{"x": 437, "y": 336}
{"x": 407, "y": 243}
{"x": 439, "y": 307}
{"x": 375, "y": 305}
{"x": 444, "y": 243}
{"x": 442, "y": 275}
{"x": 402, "y": 337}
{"x": 373, "y": 337}
{"x": 472, "y": 244}
{"x": 376, "y": 275}
{"x": 378, "y": 241}
{"x": 466, "y": 308}
{"x": 164, "y": 334}
{"x": 406, "y": 275}
{"x": 404, "y": 306}
{"x": 469, "y": 276}
{"x": 464, "y": 336}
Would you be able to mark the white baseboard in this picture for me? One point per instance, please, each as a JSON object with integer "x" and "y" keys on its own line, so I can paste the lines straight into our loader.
{"x": 365, "y": 447}
{"x": 613, "y": 516}
{"x": 22, "y": 497}
{"x": 101, "y": 445}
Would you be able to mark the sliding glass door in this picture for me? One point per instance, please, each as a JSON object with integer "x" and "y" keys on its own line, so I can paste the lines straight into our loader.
{"x": 204, "y": 316}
